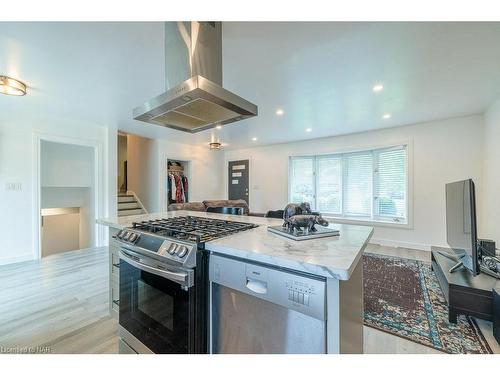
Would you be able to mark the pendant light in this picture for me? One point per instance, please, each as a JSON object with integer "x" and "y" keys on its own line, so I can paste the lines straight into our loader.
{"x": 215, "y": 146}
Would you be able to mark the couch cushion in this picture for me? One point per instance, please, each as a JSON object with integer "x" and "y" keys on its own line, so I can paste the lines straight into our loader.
{"x": 227, "y": 203}
{"x": 190, "y": 206}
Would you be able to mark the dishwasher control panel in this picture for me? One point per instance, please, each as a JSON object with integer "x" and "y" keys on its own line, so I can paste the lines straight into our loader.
{"x": 299, "y": 292}
{"x": 285, "y": 288}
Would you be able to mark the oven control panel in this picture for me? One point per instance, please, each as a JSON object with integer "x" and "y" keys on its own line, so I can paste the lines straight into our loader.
{"x": 176, "y": 251}
{"x": 128, "y": 236}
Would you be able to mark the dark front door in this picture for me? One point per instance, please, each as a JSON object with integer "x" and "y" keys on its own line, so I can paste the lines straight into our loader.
{"x": 238, "y": 180}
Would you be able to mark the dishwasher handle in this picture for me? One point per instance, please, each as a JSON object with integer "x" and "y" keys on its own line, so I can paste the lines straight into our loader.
{"x": 256, "y": 286}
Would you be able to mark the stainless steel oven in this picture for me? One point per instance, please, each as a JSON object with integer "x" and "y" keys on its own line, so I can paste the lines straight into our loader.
{"x": 157, "y": 305}
{"x": 164, "y": 283}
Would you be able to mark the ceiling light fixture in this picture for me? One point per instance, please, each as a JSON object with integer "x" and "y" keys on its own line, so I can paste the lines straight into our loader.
{"x": 218, "y": 127}
{"x": 309, "y": 130}
{"x": 280, "y": 112}
{"x": 386, "y": 116}
{"x": 378, "y": 88}
{"x": 11, "y": 86}
{"x": 215, "y": 146}
{"x": 254, "y": 139}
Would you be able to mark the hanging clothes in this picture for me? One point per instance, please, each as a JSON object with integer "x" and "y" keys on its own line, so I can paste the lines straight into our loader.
{"x": 173, "y": 191}
{"x": 169, "y": 188}
{"x": 178, "y": 189}
{"x": 185, "y": 186}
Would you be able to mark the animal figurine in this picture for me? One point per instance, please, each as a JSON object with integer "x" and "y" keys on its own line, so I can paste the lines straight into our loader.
{"x": 308, "y": 222}
{"x": 293, "y": 209}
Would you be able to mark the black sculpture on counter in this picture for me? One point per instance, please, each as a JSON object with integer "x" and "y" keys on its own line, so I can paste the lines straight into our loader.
{"x": 293, "y": 209}
{"x": 301, "y": 222}
{"x": 300, "y": 217}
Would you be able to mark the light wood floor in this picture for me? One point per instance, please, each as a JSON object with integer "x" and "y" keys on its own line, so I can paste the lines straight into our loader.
{"x": 60, "y": 305}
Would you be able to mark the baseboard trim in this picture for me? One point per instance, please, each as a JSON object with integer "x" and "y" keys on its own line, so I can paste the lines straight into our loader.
{"x": 16, "y": 259}
{"x": 408, "y": 245}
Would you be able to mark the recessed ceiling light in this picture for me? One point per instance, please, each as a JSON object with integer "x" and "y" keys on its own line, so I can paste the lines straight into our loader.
{"x": 280, "y": 112}
{"x": 309, "y": 130}
{"x": 219, "y": 127}
{"x": 254, "y": 139}
{"x": 378, "y": 88}
{"x": 386, "y": 116}
{"x": 11, "y": 86}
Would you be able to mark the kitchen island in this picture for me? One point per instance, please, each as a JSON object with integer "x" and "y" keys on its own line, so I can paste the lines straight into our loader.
{"x": 337, "y": 260}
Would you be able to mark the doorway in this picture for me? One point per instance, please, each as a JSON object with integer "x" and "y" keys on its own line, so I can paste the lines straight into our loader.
{"x": 238, "y": 180}
{"x": 67, "y": 185}
{"x": 122, "y": 180}
{"x": 178, "y": 181}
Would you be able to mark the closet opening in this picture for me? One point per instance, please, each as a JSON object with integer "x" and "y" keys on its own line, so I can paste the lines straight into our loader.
{"x": 178, "y": 187}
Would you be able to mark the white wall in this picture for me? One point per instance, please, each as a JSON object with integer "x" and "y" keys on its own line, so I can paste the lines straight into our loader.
{"x": 142, "y": 168}
{"x": 206, "y": 177}
{"x": 443, "y": 151}
{"x": 490, "y": 219}
{"x": 66, "y": 165}
{"x": 17, "y": 134}
{"x": 147, "y": 166}
{"x": 60, "y": 233}
{"x": 58, "y": 197}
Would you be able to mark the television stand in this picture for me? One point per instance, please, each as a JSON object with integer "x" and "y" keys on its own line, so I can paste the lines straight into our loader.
{"x": 464, "y": 293}
{"x": 459, "y": 265}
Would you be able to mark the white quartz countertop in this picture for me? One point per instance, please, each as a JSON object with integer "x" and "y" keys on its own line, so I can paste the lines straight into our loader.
{"x": 329, "y": 257}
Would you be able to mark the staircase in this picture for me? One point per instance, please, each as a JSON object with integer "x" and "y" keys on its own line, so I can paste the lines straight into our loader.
{"x": 129, "y": 204}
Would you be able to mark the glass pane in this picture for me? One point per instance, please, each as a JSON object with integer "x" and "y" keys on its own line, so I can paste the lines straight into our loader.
{"x": 358, "y": 184}
{"x": 330, "y": 185}
{"x": 155, "y": 304}
{"x": 302, "y": 180}
{"x": 392, "y": 183}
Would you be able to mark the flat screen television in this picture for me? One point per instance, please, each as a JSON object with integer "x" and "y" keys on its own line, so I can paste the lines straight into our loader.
{"x": 461, "y": 232}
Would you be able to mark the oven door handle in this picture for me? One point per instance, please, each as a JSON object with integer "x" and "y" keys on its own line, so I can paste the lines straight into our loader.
{"x": 179, "y": 277}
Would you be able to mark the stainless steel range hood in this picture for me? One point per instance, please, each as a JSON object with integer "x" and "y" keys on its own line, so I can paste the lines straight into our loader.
{"x": 194, "y": 100}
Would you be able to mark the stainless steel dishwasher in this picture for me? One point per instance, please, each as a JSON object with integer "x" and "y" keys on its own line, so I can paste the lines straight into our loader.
{"x": 259, "y": 309}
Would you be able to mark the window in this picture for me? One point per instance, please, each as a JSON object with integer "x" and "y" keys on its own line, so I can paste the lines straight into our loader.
{"x": 302, "y": 182}
{"x": 367, "y": 185}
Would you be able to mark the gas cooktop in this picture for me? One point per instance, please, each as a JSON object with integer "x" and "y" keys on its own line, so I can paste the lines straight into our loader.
{"x": 176, "y": 240}
{"x": 192, "y": 228}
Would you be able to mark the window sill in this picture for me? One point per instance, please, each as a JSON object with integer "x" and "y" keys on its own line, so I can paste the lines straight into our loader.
{"x": 363, "y": 221}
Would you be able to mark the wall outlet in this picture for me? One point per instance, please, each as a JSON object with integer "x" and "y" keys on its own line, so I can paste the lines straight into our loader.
{"x": 13, "y": 186}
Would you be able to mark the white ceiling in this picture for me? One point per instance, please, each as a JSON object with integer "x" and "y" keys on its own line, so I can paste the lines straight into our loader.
{"x": 320, "y": 74}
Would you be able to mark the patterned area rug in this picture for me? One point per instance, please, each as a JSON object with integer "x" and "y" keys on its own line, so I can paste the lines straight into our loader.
{"x": 403, "y": 297}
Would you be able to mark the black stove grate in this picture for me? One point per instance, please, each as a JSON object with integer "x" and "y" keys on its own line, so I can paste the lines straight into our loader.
{"x": 192, "y": 228}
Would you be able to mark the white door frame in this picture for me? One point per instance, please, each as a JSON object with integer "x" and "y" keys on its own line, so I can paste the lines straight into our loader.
{"x": 98, "y": 239}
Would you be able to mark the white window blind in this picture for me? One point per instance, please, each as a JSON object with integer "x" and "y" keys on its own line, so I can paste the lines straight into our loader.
{"x": 302, "y": 180}
{"x": 358, "y": 168}
{"x": 329, "y": 184}
{"x": 367, "y": 185}
{"x": 390, "y": 183}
